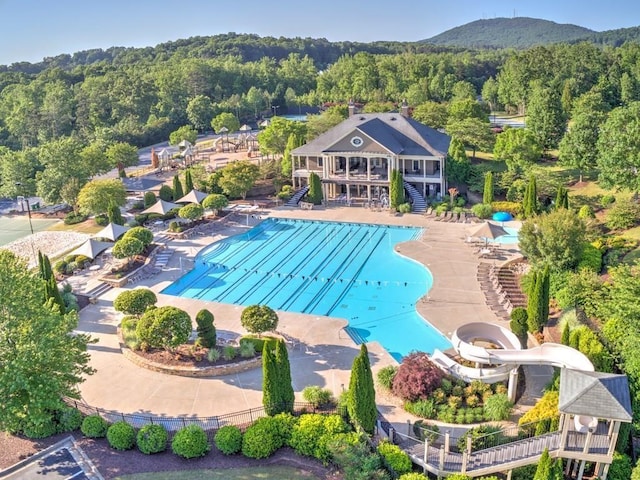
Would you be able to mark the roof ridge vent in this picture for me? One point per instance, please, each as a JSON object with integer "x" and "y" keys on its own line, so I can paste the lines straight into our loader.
{"x": 362, "y": 118}
{"x": 393, "y": 119}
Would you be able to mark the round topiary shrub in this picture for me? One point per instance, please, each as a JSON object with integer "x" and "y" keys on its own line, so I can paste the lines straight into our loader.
{"x": 152, "y": 439}
{"x": 262, "y": 439}
{"x": 40, "y": 430}
{"x": 94, "y": 426}
{"x": 228, "y": 439}
{"x": 121, "y": 436}
{"x": 135, "y": 302}
{"x": 140, "y": 233}
{"x": 68, "y": 419}
{"x": 164, "y": 327}
{"x": 190, "y": 442}
{"x": 258, "y": 319}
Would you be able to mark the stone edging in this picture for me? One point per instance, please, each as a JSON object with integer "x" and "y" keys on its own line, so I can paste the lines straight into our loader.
{"x": 194, "y": 372}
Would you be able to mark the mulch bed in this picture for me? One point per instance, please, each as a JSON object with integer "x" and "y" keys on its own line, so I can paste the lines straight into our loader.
{"x": 186, "y": 355}
{"x": 112, "y": 463}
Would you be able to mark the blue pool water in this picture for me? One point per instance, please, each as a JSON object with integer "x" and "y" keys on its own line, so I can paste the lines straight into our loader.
{"x": 508, "y": 239}
{"x": 344, "y": 270}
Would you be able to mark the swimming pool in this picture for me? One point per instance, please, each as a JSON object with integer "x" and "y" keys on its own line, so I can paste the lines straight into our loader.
{"x": 509, "y": 239}
{"x": 345, "y": 270}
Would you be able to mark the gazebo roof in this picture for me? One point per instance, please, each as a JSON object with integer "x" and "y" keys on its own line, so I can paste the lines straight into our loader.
{"x": 596, "y": 394}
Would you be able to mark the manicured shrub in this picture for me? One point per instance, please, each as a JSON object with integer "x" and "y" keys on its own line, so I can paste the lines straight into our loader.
{"x": 166, "y": 193}
{"x": 73, "y": 218}
{"x": 94, "y": 426}
{"x": 412, "y": 476}
{"x": 398, "y": 460}
{"x": 545, "y": 408}
{"x": 228, "y": 439}
{"x": 514, "y": 208}
{"x": 624, "y": 214}
{"x": 102, "y": 220}
{"x": 190, "y": 442}
{"x": 497, "y": 407}
{"x": 404, "y": 208}
{"x": 142, "y": 234}
{"x": 586, "y": 212}
{"x": 68, "y": 419}
{"x": 312, "y": 433}
{"x": 386, "y": 375}
{"x": 417, "y": 377}
{"x": 259, "y": 319}
{"x": 60, "y": 267}
{"x": 262, "y": 439}
{"x": 149, "y": 199}
{"x": 121, "y": 436}
{"x": 152, "y": 439}
{"x": 591, "y": 258}
{"x": 258, "y": 343}
{"x": 164, "y": 327}
{"x": 607, "y": 200}
{"x": 247, "y": 350}
{"x": 482, "y": 210}
{"x": 135, "y": 302}
{"x": 207, "y": 336}
{"x": 317, "y": 396}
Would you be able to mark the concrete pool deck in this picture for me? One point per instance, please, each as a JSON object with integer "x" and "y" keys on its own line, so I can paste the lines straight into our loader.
{"x": 323, "y": 352}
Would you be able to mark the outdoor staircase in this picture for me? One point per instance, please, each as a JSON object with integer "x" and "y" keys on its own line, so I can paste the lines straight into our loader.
{"x": 417, "y": 200}
{"x": 293, "y": 201}
{"x": 99, "y": 290}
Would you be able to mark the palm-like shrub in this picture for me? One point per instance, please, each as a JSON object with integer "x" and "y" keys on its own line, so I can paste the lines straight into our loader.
{"x": 497, "y": 407}
{"x": 386, "y": 375}
{"x": 190, "y": 442}
{"x": 152, "y": 439}
{"x": 94, "y": 426}
{"x": 228, "y": 439}
{"x": 121, "y": 436}
{"x": 417, "y": 377}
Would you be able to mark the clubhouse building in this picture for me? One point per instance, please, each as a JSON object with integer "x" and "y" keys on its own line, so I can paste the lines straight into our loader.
{"x": 354, "y": 159}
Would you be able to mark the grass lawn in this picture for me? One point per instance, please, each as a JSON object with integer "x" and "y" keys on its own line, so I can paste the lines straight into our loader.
{"x": 258, "y": 473}
{"x": 88, "y": 226}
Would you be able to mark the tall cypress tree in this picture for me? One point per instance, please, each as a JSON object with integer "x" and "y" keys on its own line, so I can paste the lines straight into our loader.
{"x": 543, "y": 472}
{"x": 533, "y": 302}
{"x": 361, "y": 401}
{"x": 487, "y": 192}
{"x": 530, "y": 201}
{"x": 177, "y": 188}
{"x": 285, "y": 388}
{"x": 315, "y": 189}
{"x": 544, "y": 296}
{"x": 396, "y": 189}
{"x": 270, "y": 394}
{"x": 562, "y": 198}
{"x": 51, "y": 291}
{"x": 188, "y": 181}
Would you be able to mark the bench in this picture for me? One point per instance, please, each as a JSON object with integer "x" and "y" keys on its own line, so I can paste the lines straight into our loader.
{"x": 306, "y": 206}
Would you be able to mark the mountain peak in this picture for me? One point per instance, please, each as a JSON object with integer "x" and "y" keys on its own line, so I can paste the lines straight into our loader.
{"x": 516, "y": 32}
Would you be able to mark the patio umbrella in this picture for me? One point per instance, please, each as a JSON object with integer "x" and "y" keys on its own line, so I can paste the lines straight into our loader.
{"x": 488, "y": 231}
{"x": 112, "y": 231}
{"x": 91, "y": 248}
{"x": 194, "y": 196}
{"x": 162, "y": 207}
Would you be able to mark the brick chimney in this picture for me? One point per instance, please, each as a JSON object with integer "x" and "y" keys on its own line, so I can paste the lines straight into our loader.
{"x": 352, "y": 108}
{"x": 404, "y": 109}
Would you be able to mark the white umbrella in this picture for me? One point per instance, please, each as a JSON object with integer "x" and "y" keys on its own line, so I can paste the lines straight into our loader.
{"x": 162, "y": 207}
{"x": 488, "y": 231}
{"x": 91, "y": 248}
{"x": 194, "y": 196}
{"x": 112, "y": 231}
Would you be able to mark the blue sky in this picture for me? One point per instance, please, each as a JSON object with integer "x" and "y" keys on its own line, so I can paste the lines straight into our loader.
{"x": 33, "y": 29}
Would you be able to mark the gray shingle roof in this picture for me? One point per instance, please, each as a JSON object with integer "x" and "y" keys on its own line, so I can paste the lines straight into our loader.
{"x": 399, "y": 135}
{"x": 597, "y": 394}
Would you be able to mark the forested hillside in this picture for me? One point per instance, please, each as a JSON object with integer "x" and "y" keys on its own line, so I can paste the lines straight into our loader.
{"x": 518, "y": 32}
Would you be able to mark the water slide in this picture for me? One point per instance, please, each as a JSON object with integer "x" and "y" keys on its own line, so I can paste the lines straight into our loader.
{"x": 500, "y": 349}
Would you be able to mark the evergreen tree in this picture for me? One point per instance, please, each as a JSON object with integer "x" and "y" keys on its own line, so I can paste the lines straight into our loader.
{"x": 53, "y": 295}
{"x": 533, "y": 302}
{"x": 487, "y": 192}
{"x": 285, "y": 388}
{"x": 396, "y": 189}
{"x": 562, "y": 198}
{"x": 270, "y": 393}
{"x": 543, "y": 472}
{"x": 544, "y": 296}
{"x": 557, "y": 470}
{"x": 207, "y": 336}
{"x": 530, "y": 201}
{"x": 361, "y": 401}
{"x": 188, "y": 181}
{"x": 566, "y": 334}
{"x": 177, "y": 188}
{"x": 114, "y": 214}
{"x": 314, "y": 195}
{"x": 545, "y": 117}
{"x": 44, "y": 266}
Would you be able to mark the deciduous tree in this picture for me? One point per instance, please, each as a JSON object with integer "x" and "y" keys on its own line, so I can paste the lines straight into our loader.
{"x": 225, "y": 120}
{"x": 43, "y": 359}
{"x": 519, "y": 149}
{"x": 186, "y": 132}
{"x": 215, "y": 202}
{"x": 545, "y": 117}
{"x": 191, "y": 212}
{"x": 458, "y": 165}
{"x": 122, "y": 155}
{"x": 96, "y": 196}
{"x": 238, "y": 177}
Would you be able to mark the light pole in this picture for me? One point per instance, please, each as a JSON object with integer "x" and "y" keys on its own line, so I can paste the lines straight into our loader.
{"x": 22, "y": 202}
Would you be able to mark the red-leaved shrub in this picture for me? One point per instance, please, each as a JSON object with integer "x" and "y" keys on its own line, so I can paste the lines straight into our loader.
{"x": 416, "y": 378}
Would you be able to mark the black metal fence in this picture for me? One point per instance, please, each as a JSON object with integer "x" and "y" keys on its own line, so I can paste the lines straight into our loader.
{"x": 210, "y": 425}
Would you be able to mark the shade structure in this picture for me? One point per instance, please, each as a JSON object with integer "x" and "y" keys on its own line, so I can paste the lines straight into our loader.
{"x": 245, "y": 128}
{"x": 194, "y": 196}
{"x": 184, "y": 144}
{"x": 488, "y": 231}
{"x": 91, "y": 248}
{"x": 162, "y": 207}
{"x": 112, "y": 231}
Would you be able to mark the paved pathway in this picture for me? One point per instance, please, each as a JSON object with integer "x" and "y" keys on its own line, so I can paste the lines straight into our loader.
{"x": 326, "y": 354}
